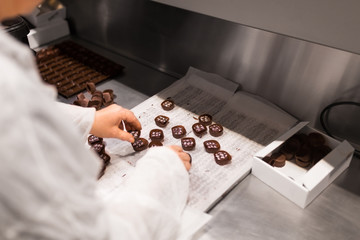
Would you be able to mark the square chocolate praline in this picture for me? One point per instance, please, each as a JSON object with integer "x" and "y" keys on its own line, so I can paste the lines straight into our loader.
{"x": 222, "y": 157}
{"x": 136, "y": 133}
{"x": 168, "y": 104}
{"x": 161, "y": 120}
{"x": 199, "y": 129}
{"x": 216, "y": 130}
{"x": 211, "y": 146}
{"x": 156, "y": 135}
{"x": 140, "y": 144}
{"x": 188, "y": 143}
{"x": 178, "y": 131}
{"x": 205, "y": 119}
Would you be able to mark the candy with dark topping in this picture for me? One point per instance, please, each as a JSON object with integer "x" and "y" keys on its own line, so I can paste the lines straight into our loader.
{"x": 168, "y": 104}
{"x": 136, "y": 133}
{"x": 92, "y": 139}
{"x": 156, "y": 135}
{"x": 216, "y": 130}
{"x": 140, "y": 144}
{"x": 222, "y": 157}
{"x": 199, "y": 129}
{"x": 155, "y": 144}
{"x": 178, "y": 131}
{"x": 188, "y": 143}
{"x": 205, "y": 119}
{"x": 161, "y": 120}
{"x": 211, "y": 146}
{"x": 98, "y": 147}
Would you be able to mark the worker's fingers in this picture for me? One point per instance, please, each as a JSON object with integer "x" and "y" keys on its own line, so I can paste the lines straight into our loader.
{"x": 184, "y": 156}
{"x": 124, "y": 135}
{"x": 130, "y": 120}
{"x": 176, "y": 148}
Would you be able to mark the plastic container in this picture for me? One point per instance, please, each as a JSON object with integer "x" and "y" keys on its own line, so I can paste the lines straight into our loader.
{"x": 17, "y": 27}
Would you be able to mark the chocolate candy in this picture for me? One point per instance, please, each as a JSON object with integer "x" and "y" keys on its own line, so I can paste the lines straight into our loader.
{"x": 211, "y": 146}
{"x": 199, "y": 129}
{"x": 320, "y": 152}
{"x": 156, "y": 135}
{"x": 278, "y": 159}
{"x": 303, "y": 156}
{"x": 140, "y": 144}
{"x": 155, "y": 144}
{"x": 290, "y": 147}
{"x": 108, "y": 99}
{"x": 105, "y": 157}
{"x": 168, "y": 105}
{"x": 188, "y": 143}
{"x": 92, "y": 139}
{"x": 222, "y": 157}
{"x": 161, "y": 120}
{"x": 178, "y": 131}
{"x": 136, "y": 133}
{"x": 98, "y": 147}
{"x": 205, "y": 119}
{"x": 216, "y": 130}
{"x": 316, "y": 139}
{"x": 90, "y": 87}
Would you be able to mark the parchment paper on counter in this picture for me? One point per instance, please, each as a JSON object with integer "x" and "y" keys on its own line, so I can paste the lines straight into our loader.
{"x": 249, "y": 124}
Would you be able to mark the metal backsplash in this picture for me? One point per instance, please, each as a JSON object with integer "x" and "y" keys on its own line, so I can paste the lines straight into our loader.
{"x": 301, "y": 77}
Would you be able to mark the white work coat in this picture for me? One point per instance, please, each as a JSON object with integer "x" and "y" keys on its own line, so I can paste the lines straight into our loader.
{"x": 48, "y": 176}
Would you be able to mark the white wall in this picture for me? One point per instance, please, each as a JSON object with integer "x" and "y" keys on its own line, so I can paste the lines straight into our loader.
{"x": 333, "y": 23}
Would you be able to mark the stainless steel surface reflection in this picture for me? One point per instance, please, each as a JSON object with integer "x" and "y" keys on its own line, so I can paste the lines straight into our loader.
{"x": 301, "y": 77}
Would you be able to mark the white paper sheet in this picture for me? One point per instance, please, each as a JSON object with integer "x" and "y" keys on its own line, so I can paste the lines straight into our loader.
{"x": 246, "y": 131}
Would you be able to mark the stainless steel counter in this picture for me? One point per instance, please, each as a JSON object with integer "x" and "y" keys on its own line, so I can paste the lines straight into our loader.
{"x": 252, "y": 210}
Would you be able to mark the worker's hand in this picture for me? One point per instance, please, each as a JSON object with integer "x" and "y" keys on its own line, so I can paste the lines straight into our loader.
{"x": 108, "y": 123}
{"x": 185, "y": 157}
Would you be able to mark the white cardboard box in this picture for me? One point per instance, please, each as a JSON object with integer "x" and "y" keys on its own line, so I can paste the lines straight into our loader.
{"x": 39, "y": 19}
{"x": 42, "y": 35}
{"x": 298, "y": 184}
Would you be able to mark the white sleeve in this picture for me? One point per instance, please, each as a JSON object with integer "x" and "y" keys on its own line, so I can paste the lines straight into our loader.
{"x": 83, "y": 118}
{"x": 154, "y": 198}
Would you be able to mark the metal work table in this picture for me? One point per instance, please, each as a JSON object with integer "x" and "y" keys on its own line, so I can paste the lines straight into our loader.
{"x": 252, "y": 210}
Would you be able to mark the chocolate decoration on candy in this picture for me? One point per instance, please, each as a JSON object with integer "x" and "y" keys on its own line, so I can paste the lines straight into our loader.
{"x": 222, "y": 157}
{"x": 205, "y": 119}
{"x": 136, "y": 133}
{"x": 211, "y": 146}
{"x": 98, "y": 147}
{"x": 178, "y": 131}
{"x": 161, "y": 120}
{"x": 140, "y": 144}
{"x": 155, "y": 144}
{"x": 92, "y": 139}
{"x": 168, "y": 105}
{"x": 188, "y": 143}
{"x": 156, "y": 135}
{"x": 216, "y": 130}
{"x": 199, "y": 129}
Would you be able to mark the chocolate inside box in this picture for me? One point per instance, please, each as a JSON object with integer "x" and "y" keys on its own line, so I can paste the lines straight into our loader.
{"x": 69, "y": 67}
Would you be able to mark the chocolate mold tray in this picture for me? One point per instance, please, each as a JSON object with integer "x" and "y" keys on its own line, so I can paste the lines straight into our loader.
{"x": 70, "y": 67}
